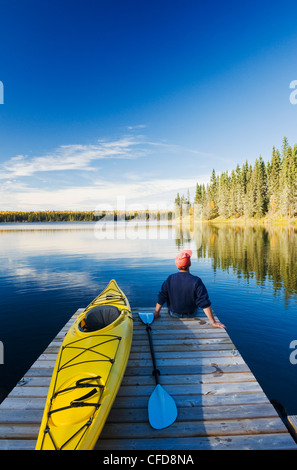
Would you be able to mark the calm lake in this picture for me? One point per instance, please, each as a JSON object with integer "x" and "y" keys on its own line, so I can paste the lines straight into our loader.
{"x": 48, "y": 271}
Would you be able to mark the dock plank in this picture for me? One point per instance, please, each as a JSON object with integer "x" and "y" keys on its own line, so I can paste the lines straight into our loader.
{"x": 220, "y": 403}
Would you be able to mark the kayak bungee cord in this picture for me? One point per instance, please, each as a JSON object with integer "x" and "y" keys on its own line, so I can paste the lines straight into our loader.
{"x": 75, "y": 404}
{"x": 81, "y": 383}
{"x": 106, "y": 300}
{"x": 78, "y": 401}
{"x": 85, "y": 350}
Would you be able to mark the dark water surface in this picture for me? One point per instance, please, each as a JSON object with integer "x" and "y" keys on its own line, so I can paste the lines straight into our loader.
{"x": 48, "y": 271}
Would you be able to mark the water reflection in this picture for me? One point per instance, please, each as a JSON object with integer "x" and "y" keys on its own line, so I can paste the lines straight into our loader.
{"x": 48, "y": 271}
{"x": 264, "y": 254}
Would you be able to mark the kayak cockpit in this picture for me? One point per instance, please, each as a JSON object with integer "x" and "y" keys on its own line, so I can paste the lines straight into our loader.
{"x": 99, "y": 317}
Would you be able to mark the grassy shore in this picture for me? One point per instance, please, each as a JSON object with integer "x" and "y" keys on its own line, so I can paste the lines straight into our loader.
{"x": 262, "y": 221}
{"x": 243, "y": 221}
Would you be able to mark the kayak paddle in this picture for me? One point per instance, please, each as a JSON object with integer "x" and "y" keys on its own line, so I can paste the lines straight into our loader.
{"x": 146, "y": 317}
{"x": 162, "y": 409}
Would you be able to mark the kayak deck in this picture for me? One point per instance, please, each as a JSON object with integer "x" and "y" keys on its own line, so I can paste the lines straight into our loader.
{"x": 220, "y": 403}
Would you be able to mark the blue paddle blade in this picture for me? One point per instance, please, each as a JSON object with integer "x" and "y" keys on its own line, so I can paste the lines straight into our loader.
{"x": 161, "y": 408}
{"x": 146, "y": 317}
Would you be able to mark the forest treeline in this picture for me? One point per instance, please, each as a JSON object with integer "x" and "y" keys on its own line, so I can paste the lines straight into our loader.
{"x": 79, "y": 216}
{"x": 48, "y": 216}
{"x": 262, "y": 189}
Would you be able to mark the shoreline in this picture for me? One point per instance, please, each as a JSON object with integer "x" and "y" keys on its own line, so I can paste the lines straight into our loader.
{"x": 187, "y": 220}
{"x": 263, "y": 221}
{"x": 240, "y": 221}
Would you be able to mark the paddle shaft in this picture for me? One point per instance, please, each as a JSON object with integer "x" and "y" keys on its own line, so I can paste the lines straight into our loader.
{"x": 156, "y": 371}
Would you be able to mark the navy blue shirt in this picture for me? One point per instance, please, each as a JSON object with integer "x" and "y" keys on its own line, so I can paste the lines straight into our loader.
{"x": 183, "y": 293}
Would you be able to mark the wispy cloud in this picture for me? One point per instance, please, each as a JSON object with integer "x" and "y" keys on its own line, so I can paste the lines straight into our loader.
{"x": 138, "y": 126}
{"x": 81, "y": 157}
{"x": 25, "y": 184}
{"x": 72, "y": 157}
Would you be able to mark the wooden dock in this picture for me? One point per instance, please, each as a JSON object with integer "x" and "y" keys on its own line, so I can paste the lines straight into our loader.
{"x": 220, "y": 403}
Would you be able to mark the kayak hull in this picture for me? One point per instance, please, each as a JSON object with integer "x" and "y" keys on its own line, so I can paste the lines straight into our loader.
{"x": 87, "y": 375}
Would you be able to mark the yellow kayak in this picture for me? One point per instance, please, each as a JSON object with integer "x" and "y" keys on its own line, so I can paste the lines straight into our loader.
{"x": 87, "y": 374}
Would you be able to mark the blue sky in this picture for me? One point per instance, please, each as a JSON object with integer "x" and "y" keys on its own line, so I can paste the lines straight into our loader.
{"x": 138, "y": 99}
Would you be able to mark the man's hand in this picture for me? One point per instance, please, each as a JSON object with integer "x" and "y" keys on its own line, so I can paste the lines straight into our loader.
{"x": 157, "y": 315}
{"x": 217, "y": 324}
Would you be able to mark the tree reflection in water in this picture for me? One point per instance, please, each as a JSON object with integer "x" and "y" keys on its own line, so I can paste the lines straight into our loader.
{"x": 252, "y": 252}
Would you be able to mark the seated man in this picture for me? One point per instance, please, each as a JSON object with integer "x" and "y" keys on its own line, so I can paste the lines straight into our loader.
{"x": 184, "y": 293}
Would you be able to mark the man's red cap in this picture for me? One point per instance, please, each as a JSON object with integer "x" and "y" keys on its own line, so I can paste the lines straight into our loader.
{"x": 183, "y": 259}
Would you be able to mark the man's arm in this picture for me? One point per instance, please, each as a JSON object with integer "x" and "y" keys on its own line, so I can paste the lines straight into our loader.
{"x": 157, "y": 310}
{"x": 216, "y": 324}
{"x": 162, "y": 298}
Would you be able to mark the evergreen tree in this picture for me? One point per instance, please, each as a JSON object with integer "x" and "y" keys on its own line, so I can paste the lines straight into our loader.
{"x": 260, "y": 187}
{"x": 177, "y": 200}
{"x": 177, "y": 206}
{"x": 198, "y": 194}
{"x": 273, "y": 174}
{"x": 249, "y": 206}
{"x": 233, "y": 203}
{"x": 288, "y": 177}
{"x": 242, "y": 181}
{"x": 285, "y": 146}
{"x": 223, "y": 197}
{"x": 213, "y": 195}
{"x": 204, "y": 201}
{"x": 203, "y": 196}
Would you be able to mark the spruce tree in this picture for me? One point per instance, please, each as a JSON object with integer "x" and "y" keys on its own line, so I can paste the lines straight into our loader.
{"x": 223, "y": 196}
{"x": 242, "y": 180}
{"x": 288, "y": 177}
{"x": 213, "y": 195}
{"x": 198, "y": 194}
{"x": 273, "y": 183}
{"x": 249, "y": 198}
{"x": 260, "y": 187}
{"x": 233, "y": 194}
{"x": 177, "y": 200}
